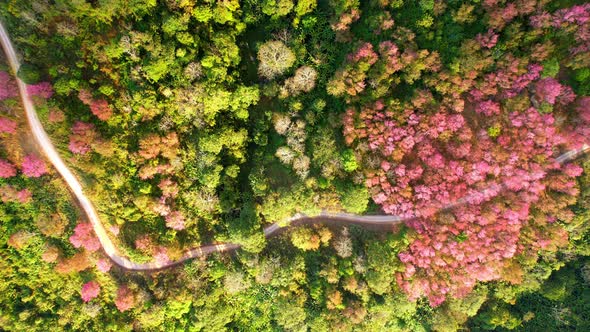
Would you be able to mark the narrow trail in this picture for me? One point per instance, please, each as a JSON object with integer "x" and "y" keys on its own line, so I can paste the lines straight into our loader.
{"x": 46, "y": 148}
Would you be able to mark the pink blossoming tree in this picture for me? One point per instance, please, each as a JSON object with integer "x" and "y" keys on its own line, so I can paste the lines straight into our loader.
{"x": 98, "y": 107}
{"x": 90, "y": 290}
{"x": 7, "y": 86}
{"x": 548, "y": 90}
{"x": 7, "y": 126}
{"x": 42, "y": 89}
{"x": 125, "y": 299}
{"x": 487, "y": 40}
{"x": 104, "y": 265}
{"x": 7, "y": 169}
{"x": 470, "y": 167}
{"x": 83, "y": 135}
{"x": 84, "y": 237}
{"x": 175, "y": 220}
{"x": 33, "y": 166}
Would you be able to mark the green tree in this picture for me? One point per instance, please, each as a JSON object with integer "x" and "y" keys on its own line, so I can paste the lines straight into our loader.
{"x": 277, "y": 8}
{"x": 354, "y": 198}
{"x": 349, "y": 162}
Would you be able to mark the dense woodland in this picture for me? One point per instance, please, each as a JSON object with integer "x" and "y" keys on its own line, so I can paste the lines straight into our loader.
{"x": 195, "y": 122}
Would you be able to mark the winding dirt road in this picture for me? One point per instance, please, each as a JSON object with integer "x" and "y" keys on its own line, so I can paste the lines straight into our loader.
{"x": 46, "y": 148}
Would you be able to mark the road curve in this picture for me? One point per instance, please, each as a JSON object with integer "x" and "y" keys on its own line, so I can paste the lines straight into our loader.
{"x": 46, "y": 147}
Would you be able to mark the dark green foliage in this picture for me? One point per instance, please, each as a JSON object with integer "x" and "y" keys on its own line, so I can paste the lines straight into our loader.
{"x": 29, "y": 74}
{"x": 562, "y": 303}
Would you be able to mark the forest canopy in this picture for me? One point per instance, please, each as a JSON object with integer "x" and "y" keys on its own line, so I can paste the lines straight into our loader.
{"x": 192, "y": 123}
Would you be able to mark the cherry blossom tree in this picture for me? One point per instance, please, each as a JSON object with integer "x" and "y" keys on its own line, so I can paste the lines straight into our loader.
{"x": 175, "y": 220}
{"x": 104, "y": 265}
{"x": 153, "y": 145}
{"x": 574, "y": 20}
{"x": 487, "y": 40}
{"x": 98, "y": 107}
{"x": 150, "y": 146}
{"x": 488, "y": 108}
{"x": 83, "y": 135}
{"x": 7, "y": 86}
{"x": 42, "y": 89}
{"x": 101, "y": 109}
{"x": 85, "y": 96}
{"x": 144, "y": 243}
{"x": 500, "y": 16}
{"x": 7, "y": 169}
{"x": 548, "y": 90}
{"x": 161, "y": 207}
{"x": 7, "y": 126}
{"x": 90, "y": 290}
{"x": 114, "y": 229}
{"x": 169, "y": 188}
{"x": 161, "y": 256}
{"x": 56, "y": 116}
{"x": 84, "y": 237}
{"x": 125, "y": 299}
{"x": 33, "y": 166}
{"x": 469, "y": 167}
{"x": 24, "y": 196}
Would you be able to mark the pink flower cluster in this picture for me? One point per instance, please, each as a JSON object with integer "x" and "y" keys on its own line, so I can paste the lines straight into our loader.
{"x": 83, "y": 134}
{"x": 144, "y": 243}
{"x": 345, "y": 20}
{"x": 508, "y": 81}
{"x": 42, "y": 89}
{"x": 500, "y": 16}
{"x": 175, "y": 220}
{"x": 98, "y": 107}
{"x": 7, "y": 170}
{"x": 33, "y": 166}
{"x": 169, "y": 188}
{"x": 7, "y": 86}
{"x": 148, "y": 171}
{"x": 7, "y": 126}
{"x": 575, "y": 15}
{"x": 431, "y": 160}
{"x": 391, "y": 57}
{"x": 575, "y": 18}
{"x": 84, "y": 237}
{"x": 161, "y": 256}
{"x": 488, "y": 108}
{"x": 125, "y": 299}
{"x": 364, "y": 53}
{"x": 90, "y": 290}
{"x": 487, "y": 40}
{"x": 548, "y": 90}
{"x": 104, "y": 265}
